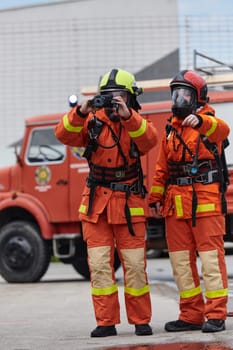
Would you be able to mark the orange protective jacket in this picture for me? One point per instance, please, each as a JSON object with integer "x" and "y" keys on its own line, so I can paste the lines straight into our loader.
{"x": 177, "y": 199}
{"x": 73, "y": 131}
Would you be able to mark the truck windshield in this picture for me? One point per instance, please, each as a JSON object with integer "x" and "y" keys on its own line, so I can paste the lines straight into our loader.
{"x": 44, "y": 147}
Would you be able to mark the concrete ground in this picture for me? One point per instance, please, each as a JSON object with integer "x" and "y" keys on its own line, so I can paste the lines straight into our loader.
{"x": 57, "y": 313}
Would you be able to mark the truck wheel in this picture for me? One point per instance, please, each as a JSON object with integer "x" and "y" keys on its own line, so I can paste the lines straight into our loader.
{"x": 24, "y": 255}
{"x": 80, "y": 263}
{"x": 154, "y": 253}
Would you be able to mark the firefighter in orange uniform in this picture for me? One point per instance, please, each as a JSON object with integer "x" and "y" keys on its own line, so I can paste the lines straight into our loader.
{"x": 113, "y": 208}
{"x": 188, "y": 190}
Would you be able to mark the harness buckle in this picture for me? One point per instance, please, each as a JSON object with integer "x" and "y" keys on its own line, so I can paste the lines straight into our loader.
{"x": 184, "y": 181}
{"x": 115, "y": 186}
{"x": 211, "y": 175}
{"x": 134, "y": 188}
{"x": 119, "y": 174}
{"x": 208, "y": 177}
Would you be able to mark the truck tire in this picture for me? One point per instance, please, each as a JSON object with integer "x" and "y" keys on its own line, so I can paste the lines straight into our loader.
{"x": 80, "y": 263}
{"x": 24, "y": 255}
{"x": 154, "y": 253}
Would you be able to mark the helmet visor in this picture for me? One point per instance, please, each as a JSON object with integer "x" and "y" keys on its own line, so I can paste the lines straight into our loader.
{"x": 183, "y": 97}
{"x": 114, "y": 93}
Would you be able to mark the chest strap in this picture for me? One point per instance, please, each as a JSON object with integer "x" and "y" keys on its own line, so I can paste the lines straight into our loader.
{"x": 204, "y": 178}
{"x": 106, "y": 174}
{"x": 181, "y": 169}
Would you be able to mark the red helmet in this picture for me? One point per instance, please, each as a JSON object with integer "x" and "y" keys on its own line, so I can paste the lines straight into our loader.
{"x": 189, "y": 78}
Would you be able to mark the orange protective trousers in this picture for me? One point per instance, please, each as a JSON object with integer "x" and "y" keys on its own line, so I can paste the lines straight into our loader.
{"x": 184, "y": 244}
{"x": 131, "y": 251}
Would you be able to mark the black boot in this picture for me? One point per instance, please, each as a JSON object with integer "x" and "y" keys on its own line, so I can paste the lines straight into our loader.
{"x": 180, "y": 326}
{"x": 104, "y": 331}
{"x": 213, "y": 325}
{"x": 143, "y": 329}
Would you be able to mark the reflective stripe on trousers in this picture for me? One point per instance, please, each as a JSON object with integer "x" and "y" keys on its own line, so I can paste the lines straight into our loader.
{"x": 183, "y": 243}
{"x": 101, "y": 239}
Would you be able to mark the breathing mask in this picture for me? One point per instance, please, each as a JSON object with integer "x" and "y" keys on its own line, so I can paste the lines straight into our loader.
{"x": 184, "y": 101}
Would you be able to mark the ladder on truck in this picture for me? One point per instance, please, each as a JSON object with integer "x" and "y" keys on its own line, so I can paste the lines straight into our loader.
{"x": 213, "y": 75}
{"x": 213, "y": 66}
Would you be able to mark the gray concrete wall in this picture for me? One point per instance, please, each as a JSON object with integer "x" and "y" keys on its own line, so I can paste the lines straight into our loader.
{"x": 50, "y": 51}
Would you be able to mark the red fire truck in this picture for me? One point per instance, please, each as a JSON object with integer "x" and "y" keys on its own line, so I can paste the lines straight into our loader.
{"x": 40, "y": 194}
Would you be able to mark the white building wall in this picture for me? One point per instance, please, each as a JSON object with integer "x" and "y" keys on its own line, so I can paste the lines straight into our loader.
{"x": 50, "y": 51}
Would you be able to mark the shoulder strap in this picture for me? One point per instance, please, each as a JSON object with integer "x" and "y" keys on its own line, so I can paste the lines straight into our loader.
{"x": 222, "y": 166}
{"x": 220, "y": 158}
{"x": 95, "y": 127}
{"x": 170, "y": 128}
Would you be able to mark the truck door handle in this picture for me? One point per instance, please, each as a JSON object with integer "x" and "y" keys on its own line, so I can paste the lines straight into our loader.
{"x": 61, "y": 182}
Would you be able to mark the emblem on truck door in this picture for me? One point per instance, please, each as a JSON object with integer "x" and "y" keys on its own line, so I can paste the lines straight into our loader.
{"x": 42, "y": 175}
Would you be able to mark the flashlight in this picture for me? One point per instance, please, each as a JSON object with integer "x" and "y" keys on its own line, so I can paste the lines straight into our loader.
{"x": 73, "y": 100}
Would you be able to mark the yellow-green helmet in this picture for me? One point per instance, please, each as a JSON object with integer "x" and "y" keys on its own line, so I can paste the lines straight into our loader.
{"x": 119, "y": 79}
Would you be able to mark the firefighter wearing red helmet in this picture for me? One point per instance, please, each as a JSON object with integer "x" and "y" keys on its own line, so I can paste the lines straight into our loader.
{"x": 113, "y": 209}
{"x": 188, "y": 190}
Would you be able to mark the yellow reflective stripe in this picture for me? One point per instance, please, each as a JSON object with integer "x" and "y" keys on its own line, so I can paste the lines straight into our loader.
{"x": 137, "y": 292}
{"x": 201, "y": 208}
{"x": 82, "y": 208}
{"x": 178, "y": 204}
{"x": 190, "y": 293}
{"x": 136, "y": 211}
{"x": 213, "y": 127}
{"x": 157, "y": 189}
{"x": 140, "y": 131}
{"x": 104, "y": 291}
{"x": 211, "y": 294}
{"x": 69, "y": 127}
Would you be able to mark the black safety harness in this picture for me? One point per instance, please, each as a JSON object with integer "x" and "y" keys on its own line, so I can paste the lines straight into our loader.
{"x": 205, "y": 171}
{"x": 113, "y": 177}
